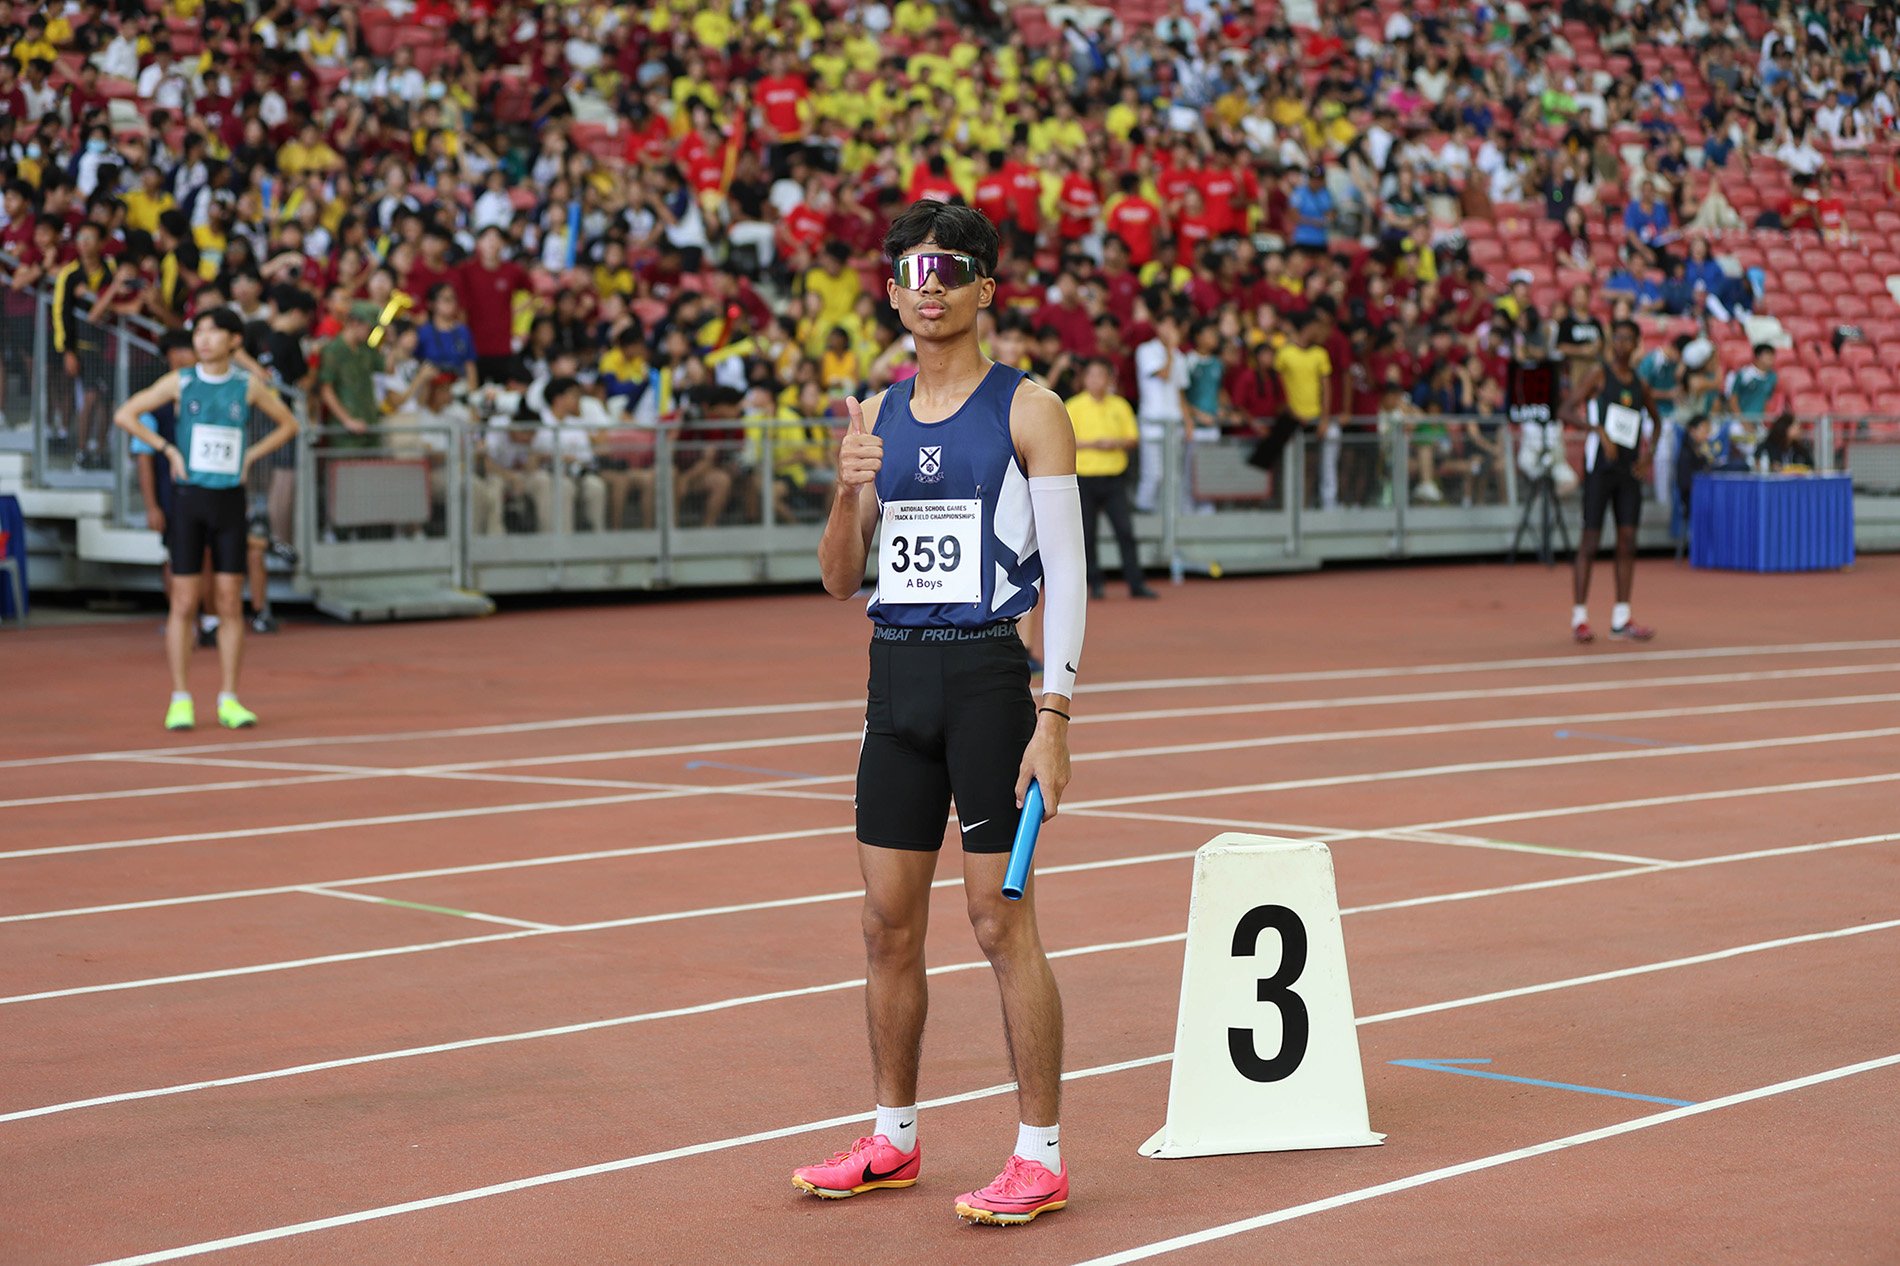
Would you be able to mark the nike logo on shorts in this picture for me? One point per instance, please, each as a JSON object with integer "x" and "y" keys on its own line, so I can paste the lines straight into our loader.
{"x": 972, "y": 826}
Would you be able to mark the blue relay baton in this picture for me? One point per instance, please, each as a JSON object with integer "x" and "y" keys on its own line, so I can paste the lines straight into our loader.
{"x": 1023, "y": 851}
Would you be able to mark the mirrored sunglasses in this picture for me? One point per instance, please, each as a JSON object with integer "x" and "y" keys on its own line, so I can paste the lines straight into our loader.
{"x": 953, "y": 270}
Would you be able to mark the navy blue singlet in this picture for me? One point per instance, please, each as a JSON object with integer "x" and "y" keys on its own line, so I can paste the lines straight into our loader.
{"x": 968, "y": 457}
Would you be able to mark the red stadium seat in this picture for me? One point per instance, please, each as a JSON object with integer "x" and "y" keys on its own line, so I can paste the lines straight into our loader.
{"x": 1795, "y": 378}
{"x": 1876, "y": 382}
{"x": 1810, "y": 404}
{"x": 1834, "y": 379}
{"x": 1870, "y": 280}
{"x": 1802, "y": 329}
{"x": 1856, "y": 355}
{"x": 1852, "y": 404}
{"x": 1808, "y": 303}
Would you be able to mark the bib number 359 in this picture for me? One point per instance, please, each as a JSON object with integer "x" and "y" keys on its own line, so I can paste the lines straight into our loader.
{"x": 1276, "y": 990}
{"x": 925, "y": 553}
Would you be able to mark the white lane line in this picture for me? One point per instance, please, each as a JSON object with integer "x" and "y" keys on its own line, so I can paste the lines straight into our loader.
{"x": 398, "y": 819}
{"x": 1220, "y": 745}
{"x": 700, "y": 1149}
{"x": 487, "y": 771}
{"x": 439, "y": 872}
{"x": 1494, "y": 766}
{"x": 1577, "y": 662}
{"x": 186, "y": 789}
{"x": 804, "y": 785}
{"x": 368, "y": 899}
{"x": 1472, "y": 894}
{"x": 1329, "y": 835}
{"x": 1344, "y": 1198}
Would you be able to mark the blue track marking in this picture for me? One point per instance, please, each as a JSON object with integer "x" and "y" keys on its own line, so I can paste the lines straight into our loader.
{"x": 746, "y": 769}
{"x": 1456, "y": 1066}
{"x": 1614, "y": 738}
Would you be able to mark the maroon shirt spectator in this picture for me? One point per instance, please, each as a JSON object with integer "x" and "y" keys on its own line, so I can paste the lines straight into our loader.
{"x": 1070, "y": 319}
{"x": 487, "y": 285}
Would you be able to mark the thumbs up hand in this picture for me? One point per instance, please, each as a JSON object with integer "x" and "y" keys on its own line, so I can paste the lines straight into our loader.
{"x": 861, "y": 454}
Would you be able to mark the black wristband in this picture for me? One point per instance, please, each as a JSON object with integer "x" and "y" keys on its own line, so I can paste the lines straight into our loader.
{"x": 1058, "y": 711}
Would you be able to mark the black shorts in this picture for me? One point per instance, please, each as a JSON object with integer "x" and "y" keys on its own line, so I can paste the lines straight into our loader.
{"x": 202, "y": 518}
{"x": 1613, "y": 484}
{"x": 944, "y": 718}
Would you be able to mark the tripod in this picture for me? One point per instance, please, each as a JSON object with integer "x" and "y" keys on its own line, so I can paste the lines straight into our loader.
{"x": 1541, "y": 502}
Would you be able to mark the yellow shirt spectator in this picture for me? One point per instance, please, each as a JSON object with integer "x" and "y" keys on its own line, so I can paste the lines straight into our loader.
{"x": 839, "y": 291}
{"x": 1303, "y": 373}
{"x": 914, "y": 17}
{"x": 613, "y": 281}
{"x": 712, "y": 27}
{"x": 1120, "y": 120}
{"x": 1109, "y": 418}
{"x": 1176, "y": 280}
{"x": 294, "y": 158}
{"x": 143, "y": 209}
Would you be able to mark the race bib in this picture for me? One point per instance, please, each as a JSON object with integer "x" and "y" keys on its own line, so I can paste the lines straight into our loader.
{"x": 1623, "y": 425}
{"x": 931, "y": 551}
{"x": 215, "y": 450}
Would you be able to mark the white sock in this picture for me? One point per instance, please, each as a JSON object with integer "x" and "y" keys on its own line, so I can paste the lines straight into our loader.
{"x": 899, "y": 1125}
{"x": 1619, "y": 615}
{"x": 224, "y": 697}
{"x": 181, "y": 696}
{"x": 1579, "y": 614}
{"x": 207, "y": 622}
{"x": 1042, "y": 1144}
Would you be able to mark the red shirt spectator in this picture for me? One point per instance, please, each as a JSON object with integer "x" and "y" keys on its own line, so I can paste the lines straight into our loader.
{"x": 779, "y": 97}
{"x": 487, "y": 285}
{"x": 994, "y": 197}
{"x": 803, "y": 227}
{"x": 1135, "y": 220}
{"x": 649, "y": 142}
{"x": 1080, "y": 203}
{"x": 925, "y": 183}
{"x": 1026, "y": 182}
{"x": 1071, "y": 320}
{"x": 1190, "y": 231}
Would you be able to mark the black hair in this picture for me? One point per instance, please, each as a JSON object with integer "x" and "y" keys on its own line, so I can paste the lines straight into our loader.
{"x": 1759, "y": 348}
{"x": 174, "y": 340}
{"x": 1627, "y": 324}
{"x": 558, "y": 387}
{"x": 954, "y": 228}
{"x": 288, "y": 298}
{"x": 225, "y": 319}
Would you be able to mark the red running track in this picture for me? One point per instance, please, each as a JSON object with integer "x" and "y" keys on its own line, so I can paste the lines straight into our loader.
{"x": 534, "y": 938}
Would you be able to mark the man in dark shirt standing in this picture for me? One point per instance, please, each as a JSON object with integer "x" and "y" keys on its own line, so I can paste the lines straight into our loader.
{"x": 487, "y": 285}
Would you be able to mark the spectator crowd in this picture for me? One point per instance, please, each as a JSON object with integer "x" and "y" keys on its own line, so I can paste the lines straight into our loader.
{"x": 582, "y": 218}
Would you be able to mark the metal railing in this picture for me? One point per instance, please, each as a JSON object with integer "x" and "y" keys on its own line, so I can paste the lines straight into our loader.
{"x": 495, "y": 504}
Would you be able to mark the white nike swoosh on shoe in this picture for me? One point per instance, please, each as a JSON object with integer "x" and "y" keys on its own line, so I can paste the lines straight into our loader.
{"x": 973, "y": 826}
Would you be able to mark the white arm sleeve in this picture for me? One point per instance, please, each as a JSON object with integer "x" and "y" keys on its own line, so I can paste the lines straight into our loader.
{"x": 1057, "y": 503}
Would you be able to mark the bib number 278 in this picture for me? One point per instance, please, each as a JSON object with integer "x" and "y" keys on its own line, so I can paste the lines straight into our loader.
{"x": 925, "y": 553}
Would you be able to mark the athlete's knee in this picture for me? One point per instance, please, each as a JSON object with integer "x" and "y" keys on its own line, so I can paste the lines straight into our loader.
{"x": 1003, "y": 931}
{"x": 230, "y": 601}
{"x": 892, "y": 934}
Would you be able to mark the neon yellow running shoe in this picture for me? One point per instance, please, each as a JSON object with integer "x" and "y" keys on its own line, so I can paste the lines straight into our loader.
{"x": 233, "y": 715}
{"x": 181, "y": 715}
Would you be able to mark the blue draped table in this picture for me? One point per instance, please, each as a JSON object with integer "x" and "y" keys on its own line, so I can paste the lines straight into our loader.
{"x": 1749, "y": 522}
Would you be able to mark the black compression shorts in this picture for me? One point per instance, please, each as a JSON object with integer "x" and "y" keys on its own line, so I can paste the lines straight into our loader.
{"x": 1612, "y": 484}
{"x": 945, "y": 719}
{"x": 201, "y": 518}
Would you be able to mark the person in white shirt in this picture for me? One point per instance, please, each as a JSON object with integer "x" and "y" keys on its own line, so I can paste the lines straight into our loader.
{"x": 120, "y": 57}
{"x": 1800, "y": 156}
{"x": 400, "y": 79}
{"x": 1162, "y": 373}
{"x": 495, "y": 205}
{"x": 565, "y": 438}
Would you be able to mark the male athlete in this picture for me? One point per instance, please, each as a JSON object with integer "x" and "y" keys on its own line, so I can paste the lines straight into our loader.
{"x": 971, "y": 472}
{"x": 1619, "y": 409}
{"x": 209, "y": 463}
